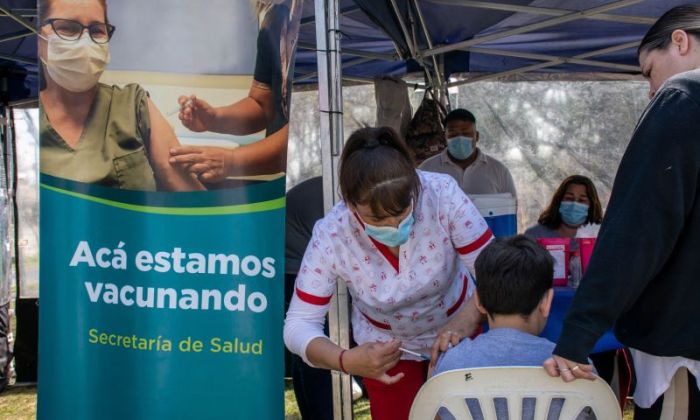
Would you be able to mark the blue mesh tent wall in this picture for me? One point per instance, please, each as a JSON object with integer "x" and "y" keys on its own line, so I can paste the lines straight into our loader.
{"x": 18, "y": 87}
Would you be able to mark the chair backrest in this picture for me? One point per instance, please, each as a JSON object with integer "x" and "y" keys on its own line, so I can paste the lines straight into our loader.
{"x": 512, "y": 393}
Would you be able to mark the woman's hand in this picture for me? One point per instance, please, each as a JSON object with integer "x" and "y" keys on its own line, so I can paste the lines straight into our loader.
{"x": 205, "y": 163}
{"x": 567, "y": 369}
{"x": 462, "y": 325}
{"x": 445, "y": 340}
{"x": 196, "y": 114}
{"x": 373, "y": 360}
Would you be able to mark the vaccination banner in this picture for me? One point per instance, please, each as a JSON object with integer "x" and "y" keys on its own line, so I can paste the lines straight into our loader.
{"x": 162, "y": 208}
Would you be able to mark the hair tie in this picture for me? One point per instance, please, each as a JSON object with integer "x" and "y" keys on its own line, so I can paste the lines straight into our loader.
{"x": 375, "y": 142}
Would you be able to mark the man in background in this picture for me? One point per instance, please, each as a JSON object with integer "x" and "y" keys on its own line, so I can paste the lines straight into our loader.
{"x": 475, "y": 171}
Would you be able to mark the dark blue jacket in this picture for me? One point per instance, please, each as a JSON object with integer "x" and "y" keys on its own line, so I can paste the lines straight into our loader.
{"x": 644, "y": 275}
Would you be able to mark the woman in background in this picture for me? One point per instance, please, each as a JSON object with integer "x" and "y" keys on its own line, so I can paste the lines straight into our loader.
{"x": 574, "y": 204}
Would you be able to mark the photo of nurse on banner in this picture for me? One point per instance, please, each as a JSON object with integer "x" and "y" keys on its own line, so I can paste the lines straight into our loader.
{"x": 216, "y": 130}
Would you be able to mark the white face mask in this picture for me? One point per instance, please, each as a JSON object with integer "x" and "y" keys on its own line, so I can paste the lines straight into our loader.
{"x": 75, "y": 65}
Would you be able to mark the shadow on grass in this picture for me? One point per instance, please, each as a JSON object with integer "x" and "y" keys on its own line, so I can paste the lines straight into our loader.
{"x": 18, "y": 403}
{"x": 19, "y": 391}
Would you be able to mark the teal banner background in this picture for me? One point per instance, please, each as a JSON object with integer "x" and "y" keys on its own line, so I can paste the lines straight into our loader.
{"x": 81, "y": 377}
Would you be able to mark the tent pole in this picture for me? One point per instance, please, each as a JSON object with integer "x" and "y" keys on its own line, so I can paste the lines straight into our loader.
{"x": 330, "y": 97}
{"x": 16, "y": 35}
{"x": 640, "y": 20}
{"x": 531, "y": 27}
{"x": 546, "y": 57}
{"x": 404, "y": 29}
{"x": 358, "y": 53}
{"x": 25, "y": 13}
{"x": 13, "y": 176}
{"x": 539, "y": 66}
{"x": 440, "y": 85}
{"x": 19, "y": 19}
{"x": 349, "y": 64}
{"x": 410, "y": 41}
{"x": 23, "y": 60}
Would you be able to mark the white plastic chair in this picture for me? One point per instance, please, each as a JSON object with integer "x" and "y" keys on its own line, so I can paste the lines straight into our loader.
{"x": 526, "y": 393}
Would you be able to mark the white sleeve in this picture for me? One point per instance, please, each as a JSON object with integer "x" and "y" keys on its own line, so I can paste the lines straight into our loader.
{"x": 313, "y": 290}
{"x": 468, "y": 229}
{"x": 303, "y": 323}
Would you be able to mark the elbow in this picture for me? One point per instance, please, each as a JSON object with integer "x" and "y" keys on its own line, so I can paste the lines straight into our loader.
{"x": 287, "y": 335}
{"x": 292, "y": 334}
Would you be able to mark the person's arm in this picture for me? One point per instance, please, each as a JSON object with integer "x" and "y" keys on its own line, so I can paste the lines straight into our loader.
{"x": 247, "y": 116}
{"x": 214, "y": 164}
{"x": 653, "y": 193}
{"x": 303, "y": 335}
{"x": 303, "y": 326}
{"x": 313, "y": 289}
{"x": 162, "y": 139}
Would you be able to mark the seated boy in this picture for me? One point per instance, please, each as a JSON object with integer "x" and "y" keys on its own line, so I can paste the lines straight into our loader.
{"x": 514, "y": 290}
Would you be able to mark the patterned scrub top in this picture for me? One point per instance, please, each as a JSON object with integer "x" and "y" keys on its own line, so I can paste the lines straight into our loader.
{"x": 408, "y": 297}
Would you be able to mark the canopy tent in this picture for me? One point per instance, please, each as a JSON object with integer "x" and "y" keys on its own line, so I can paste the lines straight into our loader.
{"x": 18, "y": 62}
{"x": 484, "y": 39}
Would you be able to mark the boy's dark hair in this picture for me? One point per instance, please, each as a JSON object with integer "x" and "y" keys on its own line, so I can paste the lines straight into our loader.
{"x": 512, "y": 275}
{"x": 460, "y": 114}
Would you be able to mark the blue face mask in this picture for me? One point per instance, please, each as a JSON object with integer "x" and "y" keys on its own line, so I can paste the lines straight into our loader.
{"x": 573, "y": 213}
{"x": 389, "y": 235}
{"x": 460, "y": 147}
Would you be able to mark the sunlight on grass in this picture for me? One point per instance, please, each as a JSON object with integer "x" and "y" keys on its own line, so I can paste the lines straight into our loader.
{"x": 19, "y": 403}
{"x": 291, "y": 410}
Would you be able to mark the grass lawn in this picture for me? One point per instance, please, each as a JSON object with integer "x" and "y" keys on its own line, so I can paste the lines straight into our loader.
{"x": 19, "y": 403}
{"x": 291, "y": 411}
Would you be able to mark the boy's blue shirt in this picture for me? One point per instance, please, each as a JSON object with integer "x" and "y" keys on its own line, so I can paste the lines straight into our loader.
{"x": 497, "y": 347}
